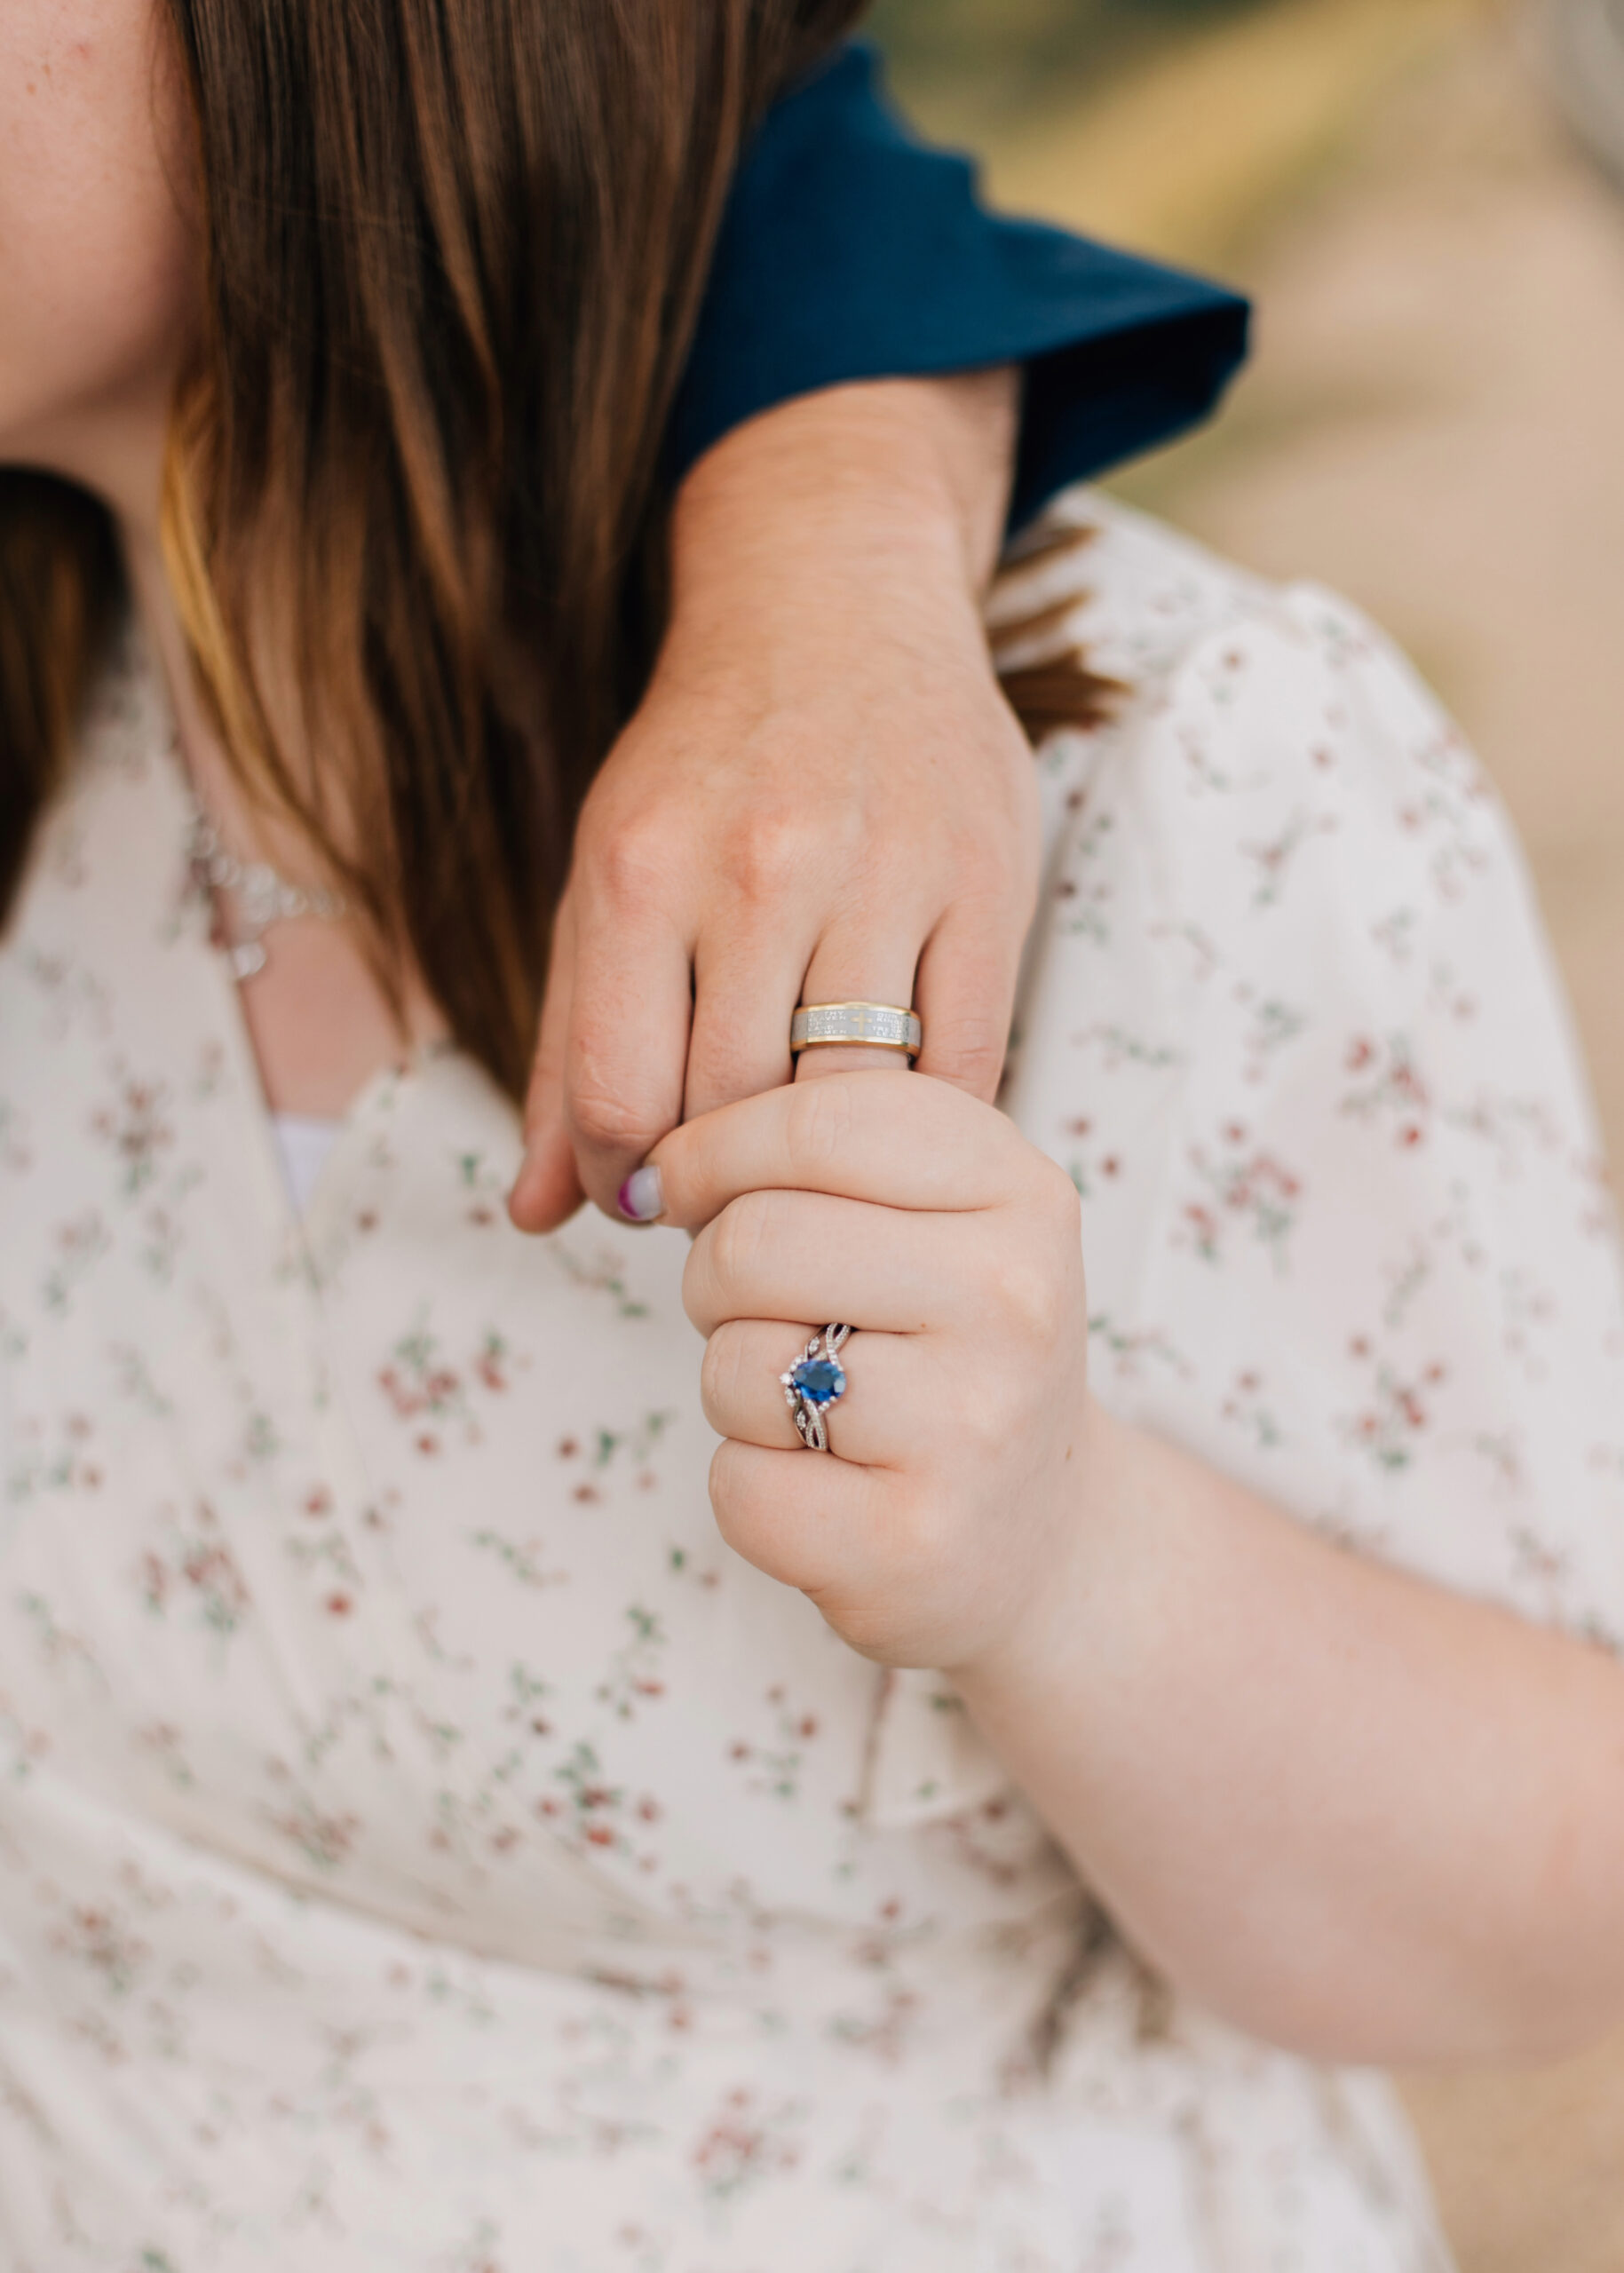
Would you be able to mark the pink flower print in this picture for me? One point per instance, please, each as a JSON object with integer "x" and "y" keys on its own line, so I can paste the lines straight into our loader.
{"x": 775, "y": 1767}
{"x": 634, "y": 1676}
{"x": 197, "y": 1566}
{"x": 484, "y": 1187}
{"x": 1088, "y": 1166}
{"x": 162, "y": 1741}
{"x": 743, "y": 2143}
{"x": 72, "y": 1466}
{"x": 1390, "y": 1426}
{"x": 1513, "y": 1125}
{"x": 1117, "y": 1046}
{"x": 97, "y": 1939}
{"x": 593, "y": 1806}
{"x": 135, "y": 1128}
{"x": 1130, "y": 1347}
{"x": 1272, "y": 1025}
{"x": 1244, "y": 1185}
{"x": 526, "y": 1694}
{"x": 521, "y": 1558}
{"x": 1273, "y": 858}
{"x": 602, "y": 1274}
{"x": 884, "y": 2033}
{"x": 418, "y": 1381}
{"x": 324, "y": 1839}
{"x": 492, "y": 1363}
{"x": 637, "y": 1443}
{"x": 1387, "y": 1086}
{"x": 1082, "y": 893}
{"x": 422, "y": 1386}
{"x": 78, "y": 1245}
{"x": 1248, "y": 1407}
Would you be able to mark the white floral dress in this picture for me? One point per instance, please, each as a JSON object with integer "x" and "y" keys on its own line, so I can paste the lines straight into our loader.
{"x": 423, "y": 1846}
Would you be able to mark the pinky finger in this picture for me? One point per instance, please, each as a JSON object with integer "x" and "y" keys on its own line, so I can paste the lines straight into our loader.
{"x": 965, "y": 997}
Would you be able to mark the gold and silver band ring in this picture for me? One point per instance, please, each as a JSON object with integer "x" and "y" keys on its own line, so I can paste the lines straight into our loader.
{"x": 876, "y": 1025}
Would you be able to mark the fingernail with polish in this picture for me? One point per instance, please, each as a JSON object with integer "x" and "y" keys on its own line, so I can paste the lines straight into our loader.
{"x": 642, "y": 1196}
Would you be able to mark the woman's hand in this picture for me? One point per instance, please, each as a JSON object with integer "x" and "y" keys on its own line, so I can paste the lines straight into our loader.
{"x": 824, "y": 795}
{"x": 920, "y": 1216}
{"x": 1359, "y": 1815}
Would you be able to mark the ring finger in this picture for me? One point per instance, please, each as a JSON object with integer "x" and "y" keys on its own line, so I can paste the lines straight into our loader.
{"x": 869, "y": 1423}
{"x": 849, "y": 967}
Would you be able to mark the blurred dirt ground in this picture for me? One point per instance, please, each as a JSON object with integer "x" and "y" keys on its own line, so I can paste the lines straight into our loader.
{"x": 1434, "y": 425}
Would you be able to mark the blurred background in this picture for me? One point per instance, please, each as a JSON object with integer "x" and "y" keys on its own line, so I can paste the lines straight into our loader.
{"x": 1426, "y": 198}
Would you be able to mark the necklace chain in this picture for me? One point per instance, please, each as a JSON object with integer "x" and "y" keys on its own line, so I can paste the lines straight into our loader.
{"x": 263, "y": 896}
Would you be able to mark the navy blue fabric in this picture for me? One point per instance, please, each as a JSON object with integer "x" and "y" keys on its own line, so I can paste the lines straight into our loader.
{"x": 851, "y": 250}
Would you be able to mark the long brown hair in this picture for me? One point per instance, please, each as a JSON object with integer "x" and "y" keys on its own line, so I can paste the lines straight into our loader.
{"x": 452, "y": 258}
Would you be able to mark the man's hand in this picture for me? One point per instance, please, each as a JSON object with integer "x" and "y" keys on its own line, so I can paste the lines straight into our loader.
{"x": 823, "y": 796}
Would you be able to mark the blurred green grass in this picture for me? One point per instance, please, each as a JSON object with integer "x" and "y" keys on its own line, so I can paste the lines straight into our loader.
{"x": 1184, "y": 128}
{"x": 1007, "y": 54}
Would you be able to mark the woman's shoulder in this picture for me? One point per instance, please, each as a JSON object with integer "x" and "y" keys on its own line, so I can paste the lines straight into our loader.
{"x": 1145, "y": 605}
{"x": 1135, "y": 594}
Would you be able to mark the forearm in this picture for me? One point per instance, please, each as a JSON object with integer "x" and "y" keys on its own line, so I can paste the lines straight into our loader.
{"x": 891, "y": 494}
{"x": 1360, "y": 1815}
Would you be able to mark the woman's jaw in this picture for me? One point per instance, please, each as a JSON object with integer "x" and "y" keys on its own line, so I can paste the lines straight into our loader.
{"x": 98, "y": 259}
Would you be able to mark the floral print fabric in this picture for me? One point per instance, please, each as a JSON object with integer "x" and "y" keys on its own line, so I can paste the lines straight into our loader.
{"x": 424, "y": 1847}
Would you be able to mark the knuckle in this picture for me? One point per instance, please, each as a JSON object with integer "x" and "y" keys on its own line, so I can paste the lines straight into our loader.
{"x": 740, "y": 1238}
{"x": 1033, "y": 1284}
{"x": 764, "y": 855}
{"x": 970, "y": 1054}
{"x": 629, "y": 863}
{"x": 607, "y": 1123}
{"x": 720, "y": 1377}
{"x": 982, "y": 1425}
{"x": 728, "y": 1490}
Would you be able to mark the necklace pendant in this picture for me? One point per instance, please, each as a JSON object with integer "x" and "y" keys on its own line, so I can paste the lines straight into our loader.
{"x": 247, "y": 958}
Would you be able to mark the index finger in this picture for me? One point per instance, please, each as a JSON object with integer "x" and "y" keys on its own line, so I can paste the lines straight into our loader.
{"x": 897, "y": 1139}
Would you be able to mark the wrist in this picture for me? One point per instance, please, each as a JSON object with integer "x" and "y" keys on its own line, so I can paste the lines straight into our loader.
{"x": 889, "y": 493}
{"x": 1082, "y": 1574}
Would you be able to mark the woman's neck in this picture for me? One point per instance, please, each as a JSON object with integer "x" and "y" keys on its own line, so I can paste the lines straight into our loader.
{"x": 319, "y": 1019}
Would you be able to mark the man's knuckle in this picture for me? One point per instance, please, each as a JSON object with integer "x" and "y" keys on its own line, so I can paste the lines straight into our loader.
{"x": 631, "y": 864}
{"x": 763, "y": 856}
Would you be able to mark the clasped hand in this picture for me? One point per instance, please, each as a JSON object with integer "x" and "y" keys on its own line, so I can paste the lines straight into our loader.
{"x": 937, "y": 1533}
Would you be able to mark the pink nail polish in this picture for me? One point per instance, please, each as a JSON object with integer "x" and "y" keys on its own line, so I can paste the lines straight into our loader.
{"x": 642, "y": 1196}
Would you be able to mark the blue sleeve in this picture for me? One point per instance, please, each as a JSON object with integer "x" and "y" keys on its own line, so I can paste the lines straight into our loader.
{"x": 851, "y": 250}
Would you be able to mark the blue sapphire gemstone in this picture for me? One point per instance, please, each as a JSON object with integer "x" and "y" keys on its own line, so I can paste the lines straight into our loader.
{"x": 819, "y": 1380}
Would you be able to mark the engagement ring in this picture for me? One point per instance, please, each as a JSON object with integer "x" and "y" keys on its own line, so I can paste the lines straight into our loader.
{"x": 816, "y": 1380}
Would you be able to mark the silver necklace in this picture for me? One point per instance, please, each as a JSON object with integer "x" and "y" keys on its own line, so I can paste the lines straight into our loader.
{"x": 262, "y": 896}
